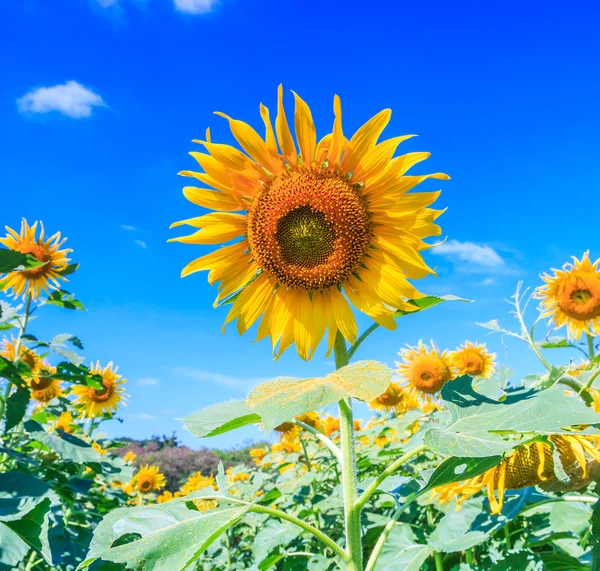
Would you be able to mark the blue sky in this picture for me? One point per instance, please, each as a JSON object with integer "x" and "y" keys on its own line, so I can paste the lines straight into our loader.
{"x": 503, "y": 94}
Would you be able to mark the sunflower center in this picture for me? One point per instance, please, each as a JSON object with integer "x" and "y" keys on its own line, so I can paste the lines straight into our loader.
{"x": 41, "y": 255}
{"x": 429, "y": 374}
{"x": 145, "y": 484}
{"x": 308, "y": 229}
{"x": 579, "y": 297}
{"x": 389, "y": 399}
{"x": 41, "y": 383}
{"x": 284, "y": 427}
{"x": 103, "y": 394}
{"x": 473, "y": 363}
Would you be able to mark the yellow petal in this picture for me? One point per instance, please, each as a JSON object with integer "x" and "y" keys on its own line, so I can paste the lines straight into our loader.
{"x": 271, "y": 142}
{"x": 250, "y": 304}
{"x": 225, "y": 255}
{"x": 216, "y": 227}
{"x": 286, "y": 141}
{"x": 211, "y": 199}
{"x": 306, "y": 134}
{"x": 303, "y": 324}
{"x": 377, "y": 159}
{"x": 343, "y": 315}
{"x": 337, "y": 139}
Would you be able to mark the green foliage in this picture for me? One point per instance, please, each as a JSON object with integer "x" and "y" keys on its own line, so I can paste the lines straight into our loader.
{"x": 220, "y": 418}
{"x": 11, "y": 260}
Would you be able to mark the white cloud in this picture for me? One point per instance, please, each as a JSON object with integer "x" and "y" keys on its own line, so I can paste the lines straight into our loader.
{"x": 471, "y": 252}
{"x": 128, "y": 227}
{"x": 147, "y": 382}
{"x": 142, "y": 416}
{"x": 488, "y": 281}
{"x": 70, "y": 98}
{"x": 140, "y": 243}
{"x": 216, "y": 378}
{"x": 194, "y": 6}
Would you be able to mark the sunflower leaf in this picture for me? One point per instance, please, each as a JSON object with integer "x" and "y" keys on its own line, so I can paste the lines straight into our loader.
{"x": 63, "y": 298}
{"x": 220, "y": 418}
{"x": 427, "y": 302}
{"x": 11, "y": 260}
{"x": 479, "y": 424}
{"x": 67, "y": 446}
{"x": 16, "y": 406}
{"x": 284, "y": 398}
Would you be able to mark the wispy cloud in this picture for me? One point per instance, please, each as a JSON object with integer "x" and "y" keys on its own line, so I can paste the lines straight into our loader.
{"x": 487, "y": 282}
{"x": 140, "y": 243}
{"x": 129, "y": 228}
{"x": 471, "y": 252}
{"x": 71, "y": 99}
{"x": 194, "y": 6}
{"x": 216, "y": 378}
{"x": 147, "y": 382}
{"x": 142, "y": 416}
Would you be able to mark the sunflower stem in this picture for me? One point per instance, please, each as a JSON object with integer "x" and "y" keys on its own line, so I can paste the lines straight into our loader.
{"x": 439, "y": 561}
{"x": 360, "y": 340}
{"x": 507, "y": 539}
{"x": 352, "y": 508}
{"x": 469, "y": 556}
{"x": 591, "y": 350}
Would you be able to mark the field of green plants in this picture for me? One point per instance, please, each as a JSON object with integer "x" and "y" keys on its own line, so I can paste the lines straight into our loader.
{"x": 456, "y": 468}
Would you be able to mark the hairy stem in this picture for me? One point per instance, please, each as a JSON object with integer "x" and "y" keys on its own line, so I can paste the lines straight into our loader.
{"x": 591, "y": 350}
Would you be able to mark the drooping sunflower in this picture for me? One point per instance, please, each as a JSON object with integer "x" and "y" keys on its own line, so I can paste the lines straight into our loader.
{"x": 313, "y": 230}
{"x": 571, "y": 297}
{"x": 44, "y": 387}
{"x": 425, "y": 371}
{"x": 288, "y": 431}
{"x": 529, "y": 465}
{"x": 312, "y": 419}
{"x": 44, "y": 277}
{"x": 473, "y": 359}
{"x": 65, "y": 422}
{"x": 26, "y": 355}
{"x": 95, "y": 402}
{"x": 395, "y": 399}
{"x": 148, "y": 479}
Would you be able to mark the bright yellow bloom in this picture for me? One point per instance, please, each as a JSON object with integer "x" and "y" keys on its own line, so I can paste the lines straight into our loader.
{"x": 237, "y": 477}
{"x": 130, "y": 456}
{"x": 357, "y": 424}
{"x": 98, "y": 448}
{"x": 312, "y": 419}
{"x": 27, "y": 356}
{"x": 473, "y": 359}
{"x": 65, "y": 422}
{"x": 43, "y": 387}
{"x": 331, "y": 424}
{"x": 197, "y": 482}
{"x": 257, "y": 454}
{"x": 425, "y": 371}
{"x": 166, "y": 496}
{"x": 96, "y": 402}
{"x": 288, "y": 431}
{"x": 571, "y": 297}
{"x": 286, "y": 445}
{"x": 287, "y": 467}
{"x": 128, "y": 488}
{"x": 148, "y": 479}
{"x": 43, "y": 277}
{"x": 529, "y": 465}
{"x": 394, "y": 399}
{"x": 313, "y": 232}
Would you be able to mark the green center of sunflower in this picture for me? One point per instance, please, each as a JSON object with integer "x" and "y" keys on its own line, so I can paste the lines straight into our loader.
{"x": 305, "y": 237}
{"x": 580, "y": 296}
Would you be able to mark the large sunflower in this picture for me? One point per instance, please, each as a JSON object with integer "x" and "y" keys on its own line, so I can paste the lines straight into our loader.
{"x": 425, "y": 371}
{"x": 529, "y": 465}
{"x": 313, "y": 229}
{"x": 571, "y": 297}
{"x": 8, "y": 350}
{"x": 473, "y": 359}
{"x": 48, "y": 251}
{"x": 95, "y": 402}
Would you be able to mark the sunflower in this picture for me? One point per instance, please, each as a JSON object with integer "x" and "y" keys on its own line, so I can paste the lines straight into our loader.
{"x": 43, "y": 277}
{"x": 96, "y": 402}
{"x": 130, "y": 456}
{"x": 28, "y": 356}
{"x": 331, "y": 424}
{"x": 312, "y": 419}
{"x": 166, "y": 496}
{"x": 314, "y": 230}
{"x": 257, "y": 454}
{"x": 148, "y": 479}
{"x": 98, "y": 448}
{"x": 286, "y": 445}
{"x": 288, "y": 431}
{"x": 65, "y": 422}
{"x": 197, "y": 481}
{"x": 394, "y": 399}
{"x": 473, "y": 359}
{"x": 425, "y": 371}
{"x": 571, "y": 297}
{"x": 531, "y": 464}
{"x": 236, "y": 476}
{"x": 44, "y": 387}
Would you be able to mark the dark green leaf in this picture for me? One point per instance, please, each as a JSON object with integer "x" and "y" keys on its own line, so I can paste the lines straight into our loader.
{"x": 562, "y": 562}
{"x": 13, "y": 549}
{"x": 67, "y": 446}
{"x": 428, "y": 302}
{"x": 457, "y": 469}
{"x": 11, "y": 260}
{"x": 402, "y": 551}
{"x": 10, "y": 372}
{"x": 20, "y": 493}
{"x": 595, "y": 536}
{"x": 554, "y": 343}
{"x": 273, "y": 533}
{"x": 16, "y": 406}
{"x": 220, "y": 418}
{"x": 68, "y": 270}
{"x": 63, "y": 298}
{"x": 33, "y": 528}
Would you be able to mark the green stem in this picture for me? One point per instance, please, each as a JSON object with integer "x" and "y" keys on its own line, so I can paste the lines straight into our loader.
{"x": 590, "y": 381}
{"x": 507, "y": 539}
{"x": 349, "y": 470}
{"x": 388, "y": 472}
{"x": 439, "y": 561}
{"x": 578, "y": 388}
{"x": 304, "y": 525}
{"x": 305, "y": 451}
{"x": 360, "y": 340}
{"x": 591, "y": 351}
{"x": 334, "y": 449}
{"x": 469, "y": 556}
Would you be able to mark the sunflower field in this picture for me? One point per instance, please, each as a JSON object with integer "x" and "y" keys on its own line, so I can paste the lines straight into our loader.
{"x": 458, "y": 466}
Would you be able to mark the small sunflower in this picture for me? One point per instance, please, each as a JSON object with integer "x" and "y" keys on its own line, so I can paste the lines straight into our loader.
{"x": 197, "y": 481}
{"x": 48, "y": 251}
{"x": 288, "y": 431}
{"x": 44, "y": 387}
{"x": 98, "y": 448}
{"x": 395, "y": 399}
{"x": 26, "y": 355}
{"x": 130, "y": 456}
{"x": 529, "y": 465}
{"x": 96, "y": 402}
{"x": 65, "y": 422}
{"x": 236, "y": 476}
{"x": 312, "y": 419}
{"x": 331, "y": 424}
{"x": 286, "y": 445}
{"x": 311, "y": 233}
{"x": 166, "y": 496}
{"x": 425, "y": 371}
{"x": 148, "y": 479}
{"x": 571, "y": 297}
{"x": 257, "y": 454}
{"x": 473, "y": 359}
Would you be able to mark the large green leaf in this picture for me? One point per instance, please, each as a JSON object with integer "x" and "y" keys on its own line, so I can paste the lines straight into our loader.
{"x": 272, "y": 534}
{"x": 63, "y": 298}
{"x": 479, "y": 424}
{"x": 220, "y": 418}
{"x": 284, "y": 398}
{"x": 401, "y": 551}
{"x": 12, "y": 549}
{"x": 67, "y": 446}
{"x": 16, "y": 406}
{"x": 33, "y": 528}
{"x": 164, "y": 537}
{"x": 11, "y": 260}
